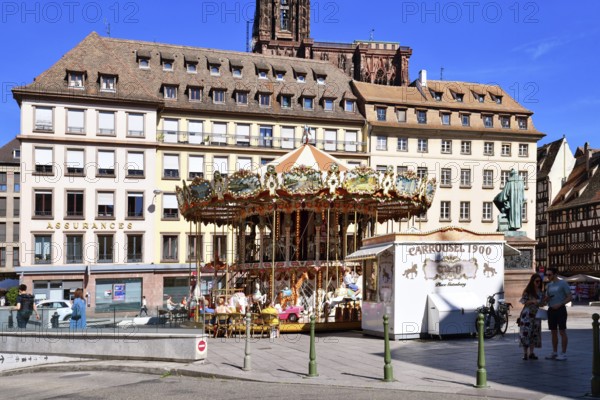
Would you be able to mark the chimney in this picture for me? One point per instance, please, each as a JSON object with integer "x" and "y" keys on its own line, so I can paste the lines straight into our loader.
{"x": 587, "y": 153}
{"x": 423, "y": 78}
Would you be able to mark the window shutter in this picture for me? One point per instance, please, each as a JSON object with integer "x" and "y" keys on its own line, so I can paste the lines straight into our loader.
{"x": 43, "y": 156}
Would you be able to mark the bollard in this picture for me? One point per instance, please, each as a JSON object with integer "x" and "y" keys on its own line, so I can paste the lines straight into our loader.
{"x": 481, "y": 372}
{"x": 388, "y": 372}
{"x": 247, "y": 365}
{"x": 312, "y": 363}
{"x": 11, "y": 323}
{"x": 54, "y": 320}
{"x": 595, "y": 358}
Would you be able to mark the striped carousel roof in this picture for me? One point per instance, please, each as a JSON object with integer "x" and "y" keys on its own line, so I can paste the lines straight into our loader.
{"x": 309, "y": 156}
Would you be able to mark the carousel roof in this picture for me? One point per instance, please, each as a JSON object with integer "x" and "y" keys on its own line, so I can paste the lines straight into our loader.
{"x": 309, "y": 156}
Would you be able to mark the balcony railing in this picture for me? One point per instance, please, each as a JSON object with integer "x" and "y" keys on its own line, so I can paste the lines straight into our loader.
{"x": 211, "y": 140}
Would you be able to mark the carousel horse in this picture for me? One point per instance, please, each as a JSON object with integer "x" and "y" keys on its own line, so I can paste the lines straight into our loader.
{"x": 239, "y": 302}
{"x": 258, "y": 297}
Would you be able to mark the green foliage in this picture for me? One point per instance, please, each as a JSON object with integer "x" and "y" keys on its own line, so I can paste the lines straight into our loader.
{"x": 11, "y": 296}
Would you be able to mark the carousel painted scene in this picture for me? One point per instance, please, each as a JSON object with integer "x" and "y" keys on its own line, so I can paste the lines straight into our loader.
{"x": 291, "y": 226}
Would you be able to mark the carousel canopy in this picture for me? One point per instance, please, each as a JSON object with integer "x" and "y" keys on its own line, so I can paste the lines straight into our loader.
{"x": 305, "y": 179}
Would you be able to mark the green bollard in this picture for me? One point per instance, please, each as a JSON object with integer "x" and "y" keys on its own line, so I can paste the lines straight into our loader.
{"x": 481, "y": 372}
{"x": 247, "y": 365}
{"x": 388, "y": 372}
{"x": 312, "y": 364}
{"x": 595, "y": 358}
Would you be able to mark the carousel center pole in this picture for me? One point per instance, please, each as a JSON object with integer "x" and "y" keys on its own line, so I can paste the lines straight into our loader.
{"x": 273, "y": 259}
{"x": 327, "y": 258}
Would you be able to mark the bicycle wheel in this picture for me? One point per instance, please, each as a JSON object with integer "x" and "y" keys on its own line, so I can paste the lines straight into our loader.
{"x": 503, "y": 322}
{"x": 490, "y": 326}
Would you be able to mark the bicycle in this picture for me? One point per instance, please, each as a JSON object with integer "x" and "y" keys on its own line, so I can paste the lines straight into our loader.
{"x": 495, "y": 319}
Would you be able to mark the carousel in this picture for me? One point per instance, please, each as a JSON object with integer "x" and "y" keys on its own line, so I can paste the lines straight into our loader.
{"x": 291, "y": 225}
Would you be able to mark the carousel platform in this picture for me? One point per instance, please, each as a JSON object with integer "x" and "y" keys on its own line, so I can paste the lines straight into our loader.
{"x": 297, "y": 327}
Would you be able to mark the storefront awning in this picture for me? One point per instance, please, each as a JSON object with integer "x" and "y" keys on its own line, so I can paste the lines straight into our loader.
{"x": 510, "y": 251}
{"x": 368, "y": 253}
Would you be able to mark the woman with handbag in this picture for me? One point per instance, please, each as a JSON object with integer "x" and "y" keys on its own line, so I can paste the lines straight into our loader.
{"x": 78, "y": 320}
{"x": 530, "y": 325}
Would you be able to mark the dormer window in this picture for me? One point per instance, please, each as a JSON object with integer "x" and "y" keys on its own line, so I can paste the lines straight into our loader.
{"x": 167, "y": 65}
{"x": 320, "y": 80}
{"x": 505, "y": 121}
{"x": 301, "y": 78}
{"x": 108, "y": 83}
{"x": 497, "y": 99}
{"x": 264, "y": 99}
{"x": 214, "y": 70}
{"x": 76, "y": 80}
{"x": 437, "y": 96}
{"x": 279, "y": 76}
{"x": 219, "y": 96}
{"x": 349, "y": 105}
{"x": 236, "y": 72}
{"x": 195, "y": 93}
{"x": 191, "y": 64}
{"x": 480, "y": 97}
{"x": 241, "y": 98}
{"x": 488, "y": 121}
{"x": 17, "y": 154}
{"x": 262, "y": 75}
{"x": 328, "y": 104}
{"x": 144, "y": 63}
{"x": 522, "y": 121}
{"x": 308, "y": 103}
{"x": 192, "y": 68}
{"x": 286, "y": 101}
{"x": 170, "y": 92}
{"x": 167, "y": 60}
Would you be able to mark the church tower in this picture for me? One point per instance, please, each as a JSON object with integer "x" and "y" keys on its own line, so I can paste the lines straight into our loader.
{"x": 282, "y": 27}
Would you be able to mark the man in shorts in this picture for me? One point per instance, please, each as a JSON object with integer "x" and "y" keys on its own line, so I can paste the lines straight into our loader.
{"x": 558, "y": 294}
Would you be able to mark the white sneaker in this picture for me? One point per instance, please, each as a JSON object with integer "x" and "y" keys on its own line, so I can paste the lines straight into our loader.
{"x": 551, "y": 356}
{"x": 561, "y": 357}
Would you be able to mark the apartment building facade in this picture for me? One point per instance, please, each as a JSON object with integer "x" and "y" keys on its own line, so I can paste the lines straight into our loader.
{"x": 10, "y": 207}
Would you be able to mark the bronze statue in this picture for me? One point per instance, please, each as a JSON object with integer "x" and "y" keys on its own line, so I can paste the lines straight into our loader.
{"x": 510, "y": 203}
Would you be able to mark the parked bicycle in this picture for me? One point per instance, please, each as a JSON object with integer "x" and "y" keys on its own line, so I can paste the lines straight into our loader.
{"x": 495, "y": 318}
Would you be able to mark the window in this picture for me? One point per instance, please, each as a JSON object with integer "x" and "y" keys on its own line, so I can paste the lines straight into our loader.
{"x": 497, "y": 99}
{"x": 74, "y": 248}
{"x": 16, "y": 260}
{"x": 75, "y": 203}
{"x": 17, "y": 154}
{"x": 505, "y": 149}
{"x": 245, "y": 163}
{"x": 488, "y": 148}
{"x": 421, "y": 172}
{"x": 422, "y": 145}
{"x": 400, "y": 169}
{"x": 437, "y": 96}
{"x": 445, "y": 119}
{"x": 2, "y": 257}
{"x": 505, "y": 121}
{"x": 134, "y": 248}
{"x": 236, "y": 72}
{"x": 266, "y": 136}
{"x": 350, "y": 139}
{"x": 241, "y": 98}
{"x": 219, "y": 134}
{"x": 17, "y": 182}
{"x": 106, "y": 163}
{"x": 170, "y": 210}
{"x": 402, "y": 144}
{"x": 106, "y": 205}
{"x": 43, "y": 119}
{"x": 171, "y": 166}
{"x": 421, "y": 116}
{"x": 320, "y": 80}
{"x": 331, "y": 140}
{"x": 75, "y": 162}
{"x": 444, "y": 211}
{"x": 195, "y": 129}
{"x": 465, "y": 211}
{"x": 105, "y": 248}
{"x": 524, "y": 212}
{"x": 170, "y": 92}
{"x": 169, "y": 248}
{"x": 381, "y": 168}
{"x": 486, "y": 214}
{"x": 523, "y": 149}
{"x": 135, "y": 124}
{"x": 195, "y": 94}
{"x": 192, "y": 67}
{"x": 349, "y": 105}
{"x": 75, "y": 80}
{"x": 215, "y": 70}
{"x": 301, "y": 78}
{"x": 43, "y": 160}
{"x": 143, "y": 63}
{"x": 43, "y": 203}
{"x": 480, "y": 98}
{"x": 401, "y": 115}
{"x": 446, "y": 177}
{"x": 504, "y": 178}
{"x": 196, "y": 167}
{"x": 286, "y": 101}
{"x": 328, "y": 104}
{"x": 262, "y": 75}
{"x": 220, "y": 246}
{"x": 3, "y": 232}
{"x": 488, "y": 178}
{"x": 108, "y": 83}
{"x": 135, "y": 164}
{"x": 465, "y": 119}
{"x": 167, "y": 65}
{"x": 279, "y": 76}
{"x": 287, "y": 137}
{"x": 16, "y": 232}
{"x": 265, "y": 160}
{"x": 465, "y": 147}
{"x": 382, "y": 143}
{"x": 16, "y": 206}
{"x": 170, "y": 130}
{"x": 218, "y": 96}
{"x": 446, "y": 146}
{"x": 43, "y": 249}
{"x": 525, "y": 178}
{"x": 488, "y": 121}
{"x": 194, "y": 248}
{"x": 308, "y": 103}
{"x": 135, "y": 205}
{"x": 459, "y": 97}
{"x": 522, "y": 121}
{"x": 465, "y": 178}
{"x": 242, "y": 135}
{"x": 106, "y": 123}
{"x": 3, "y": 186}
{"x": 381, "y": 113}
{"x": 75, "y": 121}
{"x": 264, "y": 99}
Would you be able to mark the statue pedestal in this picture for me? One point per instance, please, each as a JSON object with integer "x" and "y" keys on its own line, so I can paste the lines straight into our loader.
{"x": 518, "y": 268}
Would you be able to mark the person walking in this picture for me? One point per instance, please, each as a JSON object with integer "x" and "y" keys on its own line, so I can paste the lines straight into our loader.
{"x": 25, "y": 307}
{"x": 530, "y": 327}
{"x": 144, "y": 308}
{"x": 78, "y": 320}
{"x": 558, "y": 294}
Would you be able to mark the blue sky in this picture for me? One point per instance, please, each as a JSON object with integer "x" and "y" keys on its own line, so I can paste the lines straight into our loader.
{"x": 544, "y": 54}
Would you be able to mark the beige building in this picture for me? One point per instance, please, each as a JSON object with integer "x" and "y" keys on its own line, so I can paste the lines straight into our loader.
{"x": 10, "y": 206}
{"x": 469, "y": 136}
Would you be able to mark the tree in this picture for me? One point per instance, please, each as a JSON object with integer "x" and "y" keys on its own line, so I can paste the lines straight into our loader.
{"x": 11, "y": 296}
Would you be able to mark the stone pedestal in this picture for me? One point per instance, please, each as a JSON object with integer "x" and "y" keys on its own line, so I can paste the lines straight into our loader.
{"x": 518, "y": 268}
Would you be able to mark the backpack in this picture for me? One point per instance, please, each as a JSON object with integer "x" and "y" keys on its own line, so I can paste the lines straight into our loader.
{"x": 76, "y": 315}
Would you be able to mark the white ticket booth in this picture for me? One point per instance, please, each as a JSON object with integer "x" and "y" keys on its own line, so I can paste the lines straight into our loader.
{"x": 429, "y": 283}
